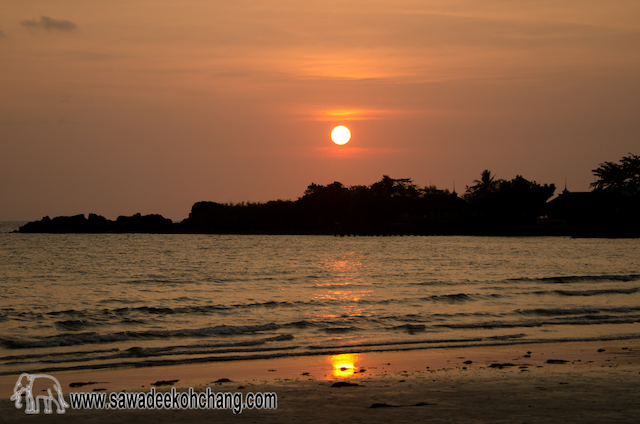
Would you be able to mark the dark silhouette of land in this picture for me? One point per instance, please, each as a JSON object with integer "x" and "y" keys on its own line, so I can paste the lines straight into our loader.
{"x": 398, "y": 207}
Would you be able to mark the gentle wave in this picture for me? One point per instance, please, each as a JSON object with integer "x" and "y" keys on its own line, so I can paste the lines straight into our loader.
{"x": 580, "y": 278}
{"x": 597, "y": 292}
{"x": 581, "y": 320}
{"x": 333, "y": 350}
{"x": 93, "y": 338}
{"x": 576, "y": 311}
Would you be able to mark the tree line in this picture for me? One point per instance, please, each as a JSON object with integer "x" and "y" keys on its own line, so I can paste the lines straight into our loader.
{"x": 389, "y": 206}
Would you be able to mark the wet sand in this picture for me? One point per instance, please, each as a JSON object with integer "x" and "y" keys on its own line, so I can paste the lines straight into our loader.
{"x": 577, "y": 382}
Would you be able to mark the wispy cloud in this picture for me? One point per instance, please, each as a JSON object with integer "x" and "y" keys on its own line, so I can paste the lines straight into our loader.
{"x": 49, "y": 24}
{"x": 361, "y": 114}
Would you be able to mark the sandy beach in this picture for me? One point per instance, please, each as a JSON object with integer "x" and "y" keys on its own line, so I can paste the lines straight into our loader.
{"x": 576, "y": 382}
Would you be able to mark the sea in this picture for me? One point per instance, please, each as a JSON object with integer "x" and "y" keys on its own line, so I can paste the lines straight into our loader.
{"x": 93, "y": 301}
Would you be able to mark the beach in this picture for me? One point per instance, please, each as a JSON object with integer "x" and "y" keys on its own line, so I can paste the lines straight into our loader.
{"x": 574, "y": 382}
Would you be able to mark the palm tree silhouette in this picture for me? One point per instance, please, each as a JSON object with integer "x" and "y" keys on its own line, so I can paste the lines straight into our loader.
{"x": 486, "y": 184}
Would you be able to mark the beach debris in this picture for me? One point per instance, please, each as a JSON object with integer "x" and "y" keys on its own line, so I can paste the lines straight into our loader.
{"x": 465, "y": 362}
{"x": 556, "y": 361}
{"x": 88, "y": 383}
{"x": 306, "y": 373}
{"x": 386, "y": 405}
{"x": 165, "y": 383}
{"x": 272, "y": 370}
{"x": 344, "y": 384}
{"x": 500, "y": 366}
{"x": 600, "y": 350}
{"x": 526, "y": 356}
{"x": 223, "y": 380}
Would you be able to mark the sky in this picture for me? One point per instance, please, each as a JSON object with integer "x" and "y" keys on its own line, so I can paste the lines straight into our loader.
{"x": 149, "y": 106}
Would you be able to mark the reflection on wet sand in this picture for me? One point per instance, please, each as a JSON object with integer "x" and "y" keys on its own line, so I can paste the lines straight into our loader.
{"x": 343, "y": 365}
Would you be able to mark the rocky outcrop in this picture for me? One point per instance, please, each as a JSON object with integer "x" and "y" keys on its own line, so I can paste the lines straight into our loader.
{"x": 98, "y": 224}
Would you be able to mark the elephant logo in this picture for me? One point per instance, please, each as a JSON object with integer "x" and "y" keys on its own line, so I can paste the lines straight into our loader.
{"x": 34, "y": 384}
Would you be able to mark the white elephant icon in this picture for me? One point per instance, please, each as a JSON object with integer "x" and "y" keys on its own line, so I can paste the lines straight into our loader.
{"x": 31, "y": 384}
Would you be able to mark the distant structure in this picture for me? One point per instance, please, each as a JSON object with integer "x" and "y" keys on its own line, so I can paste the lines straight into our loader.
{"x": 597, "y": 212}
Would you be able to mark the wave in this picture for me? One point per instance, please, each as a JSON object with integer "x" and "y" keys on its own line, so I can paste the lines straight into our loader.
{"x": 579, "y": 320}
{"x": 299, "y": 324}
{"x": 140, "y": 352}
{"x": 45, "y": 355}
{"x": 580, "y": 278}
{"x": 393, "y": 343}
{"x": 508, "y": 336}
{"x": 294, "y": 351}
{"x": 576, "y": 311}
{"x": 79, "y": 319}
{"x": 597, "y": 292}
{"x": 74, "y": 324}
{"x": 411, "y": 328}
{"x": 451, "y": 298}
{"x": 94, "y": 338}
{"x": 340, "y": 330}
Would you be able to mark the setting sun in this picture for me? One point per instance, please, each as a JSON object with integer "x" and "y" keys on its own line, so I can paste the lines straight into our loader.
{"x": 340, "y": 135}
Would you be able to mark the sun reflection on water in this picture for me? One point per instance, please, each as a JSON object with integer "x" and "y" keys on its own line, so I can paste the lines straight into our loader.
{"x": 343, "y": 365}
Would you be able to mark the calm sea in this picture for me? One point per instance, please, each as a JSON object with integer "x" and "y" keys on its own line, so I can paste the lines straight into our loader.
{"x": 74, "y": 301}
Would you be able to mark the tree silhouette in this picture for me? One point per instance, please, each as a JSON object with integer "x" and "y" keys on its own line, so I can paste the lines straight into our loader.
{"x": 623, "y": 176}
{"x": 483, "y": 187}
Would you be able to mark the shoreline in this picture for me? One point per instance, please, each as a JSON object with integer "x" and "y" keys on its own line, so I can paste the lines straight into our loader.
{"x": 308, "y": 356}
{"x": 447, "y": 388}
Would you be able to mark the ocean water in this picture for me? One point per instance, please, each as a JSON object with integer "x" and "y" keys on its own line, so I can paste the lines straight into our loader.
{"x": 82, "y": 301}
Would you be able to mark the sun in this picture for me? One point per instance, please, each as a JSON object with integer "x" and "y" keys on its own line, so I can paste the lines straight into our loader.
{"x": 340, "y": 135}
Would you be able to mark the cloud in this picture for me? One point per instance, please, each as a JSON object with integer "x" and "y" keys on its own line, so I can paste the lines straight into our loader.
{"x": 2, "y": 34}
{"x": 357, "y": 114}
{"x": 50, "y": 24}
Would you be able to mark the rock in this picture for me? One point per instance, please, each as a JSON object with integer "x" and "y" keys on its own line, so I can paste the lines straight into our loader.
{"x": 98, "y": 224}
{"x": 165, "y": 383}
{"x": 344, "y": 384}
{"x": 80, "y": 384}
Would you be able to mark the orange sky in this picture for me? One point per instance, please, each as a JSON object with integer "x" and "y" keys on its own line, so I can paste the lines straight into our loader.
{"x": 149, "y": 106}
